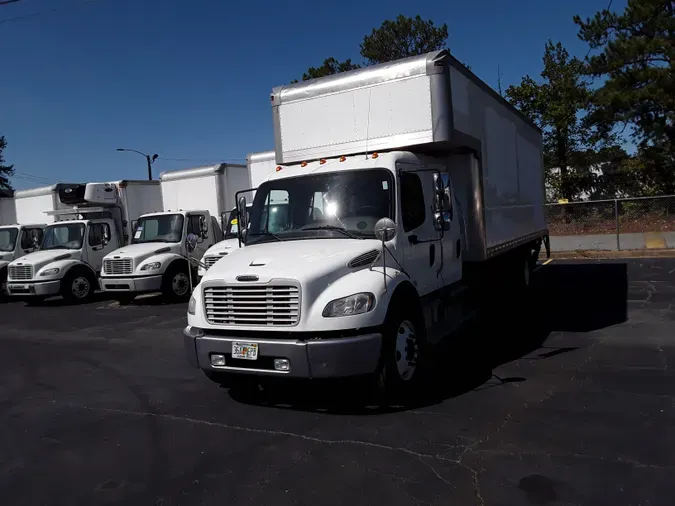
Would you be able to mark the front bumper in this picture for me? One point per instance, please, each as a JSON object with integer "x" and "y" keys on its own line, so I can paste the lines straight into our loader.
{"x": 138, "y": 284}
{"x": 320, "y": 358}
{"x": 36, "y": 288}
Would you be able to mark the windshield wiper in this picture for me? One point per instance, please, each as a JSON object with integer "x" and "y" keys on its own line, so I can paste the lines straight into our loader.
{"x": 342, "y": 230}
{"x": 270, "y": 234}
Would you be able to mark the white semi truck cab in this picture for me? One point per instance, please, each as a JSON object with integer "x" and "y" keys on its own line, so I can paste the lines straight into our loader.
{"x": 157, "y": 258}
{"x": 17, "y": 241}
{"x": 71, "y": 252}
{"x": 390, "y": 236}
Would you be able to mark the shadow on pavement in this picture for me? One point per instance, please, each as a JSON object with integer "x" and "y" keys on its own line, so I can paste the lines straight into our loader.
{"x": 565, "y": 297}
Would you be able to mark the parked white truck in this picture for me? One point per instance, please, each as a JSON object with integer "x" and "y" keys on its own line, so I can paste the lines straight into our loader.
{"x": 195, "y": 201}
{"x": 409, "y": 184}
{"x": 260, "y": 167}
{"x": 23, "y": 221}
{"x": 93, "y": 219}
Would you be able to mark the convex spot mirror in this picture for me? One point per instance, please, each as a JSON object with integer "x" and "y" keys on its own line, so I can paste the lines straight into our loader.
{"x": 385, "y": 229}
{"x": 191, "y": 242}
{"x": 105, "y": 234}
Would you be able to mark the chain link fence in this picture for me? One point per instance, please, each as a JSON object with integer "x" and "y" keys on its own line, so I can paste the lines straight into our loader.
{"x": 620, "y": 224}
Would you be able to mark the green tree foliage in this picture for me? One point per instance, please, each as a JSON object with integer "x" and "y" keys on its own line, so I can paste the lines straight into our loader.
{"x": 401, "y": 38}
{"x": 393, "y": 40}
{"x": 6, "y": 171}
{"x": 637, "y": 48}
{"x": 556, "y": 104}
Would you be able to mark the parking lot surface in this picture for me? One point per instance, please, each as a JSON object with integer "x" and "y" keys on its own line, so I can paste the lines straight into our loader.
{"x": 567, "y": 401}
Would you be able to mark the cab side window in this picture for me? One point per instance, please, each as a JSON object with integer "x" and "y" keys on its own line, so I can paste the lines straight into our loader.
{"x": 26, "y": 241}
{"x": 412, "y": 201}
{"x": 96, "y": 231}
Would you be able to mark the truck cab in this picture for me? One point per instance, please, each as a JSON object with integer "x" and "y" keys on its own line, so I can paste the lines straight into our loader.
{"x": 16, "y": 241}
{"x": 158, "y": 259}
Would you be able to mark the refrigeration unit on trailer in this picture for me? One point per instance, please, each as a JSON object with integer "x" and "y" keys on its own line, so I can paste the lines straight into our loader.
{"x": 410, "y": 185}
{"x": 93, "y": 219}
{"x": 195, "y": 201}
{"x": 260, "y": 167}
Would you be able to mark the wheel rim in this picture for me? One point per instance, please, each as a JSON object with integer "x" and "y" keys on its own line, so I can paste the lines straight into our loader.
{"x": 407, "y": 350}
{"x": 80, "y": 287}
{"x": 180, "y": 284}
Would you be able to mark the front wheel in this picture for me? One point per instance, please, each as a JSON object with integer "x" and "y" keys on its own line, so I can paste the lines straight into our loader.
{"x": 403, "y": 350}
{"x": 78, "y": 286}
{"x": 176, "y": 283}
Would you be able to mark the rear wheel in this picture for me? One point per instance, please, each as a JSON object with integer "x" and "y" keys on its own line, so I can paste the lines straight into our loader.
{"x": 78, "y": 286}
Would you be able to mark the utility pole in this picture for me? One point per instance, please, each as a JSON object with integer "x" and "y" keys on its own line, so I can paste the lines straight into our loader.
{"x": 499, "y": 81}
{"x": 149, "y": 159}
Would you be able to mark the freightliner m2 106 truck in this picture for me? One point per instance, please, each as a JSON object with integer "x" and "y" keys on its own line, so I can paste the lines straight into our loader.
{"x": 195, "y": 201}
{"x": 95, "y": 219}
{"x": 409, "y": 184}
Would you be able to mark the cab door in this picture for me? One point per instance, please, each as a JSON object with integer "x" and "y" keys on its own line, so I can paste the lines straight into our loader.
{"x": 100, "y": 242}
{"x": 420, "y": 240}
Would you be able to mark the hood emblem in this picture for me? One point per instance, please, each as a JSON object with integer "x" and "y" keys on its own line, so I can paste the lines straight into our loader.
{"x": 248, "y": 277}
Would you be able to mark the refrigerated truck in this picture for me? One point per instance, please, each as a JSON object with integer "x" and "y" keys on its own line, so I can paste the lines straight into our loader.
{"x": 195, "y": 201}
{"x": 260, "y": 166}
{"x": 412, "y": 186}
{"x": 92, "y": 220}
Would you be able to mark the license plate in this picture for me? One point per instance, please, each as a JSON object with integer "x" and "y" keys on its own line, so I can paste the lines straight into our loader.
{"x": 18, "y": 287}
{"x": 246, "y": 351}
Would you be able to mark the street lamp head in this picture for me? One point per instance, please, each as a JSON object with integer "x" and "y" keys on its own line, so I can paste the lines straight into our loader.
{"x": 120, "y": 149}
{"x": 154, "y": 157}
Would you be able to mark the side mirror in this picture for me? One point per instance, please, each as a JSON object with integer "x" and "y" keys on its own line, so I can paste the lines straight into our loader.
{"x": 35, "y": 239}
{"x": 191, "y": 242}
{"x": 385, "y": 229}
{"x": 439, "y": 192}
{"x": 203, "y": 228}
{"x": 105, "y": 234}
{"x": 242, "y": 215}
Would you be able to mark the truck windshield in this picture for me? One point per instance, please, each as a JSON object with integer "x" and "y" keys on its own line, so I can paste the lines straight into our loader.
{"x": 63, "y": 236}
{"x": 344, "y": 204}
{"x": 159, "y": 228}
{"x": 8, "y": 238}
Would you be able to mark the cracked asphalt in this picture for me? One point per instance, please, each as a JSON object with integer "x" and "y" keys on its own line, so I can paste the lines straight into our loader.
{"x": 568, "y": 401}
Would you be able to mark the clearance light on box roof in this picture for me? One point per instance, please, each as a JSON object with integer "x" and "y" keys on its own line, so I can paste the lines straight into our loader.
{"x": 322, "y": 161}
{"x": 303, "y": 164}
{"x": 343, "y": 158}
{"x": 278, "y": 169}
{"x": 374, "y": 155}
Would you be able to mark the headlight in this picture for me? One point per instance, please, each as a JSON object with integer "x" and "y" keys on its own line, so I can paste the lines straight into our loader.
{"x": 192, "y": 305}
{"x": 151, "y": 266}
{"x": 354, "y": 304}
{"x": 50, "y": 272}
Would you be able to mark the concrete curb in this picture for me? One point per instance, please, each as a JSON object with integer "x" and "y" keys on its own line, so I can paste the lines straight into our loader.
{"x": 592, "y": 254}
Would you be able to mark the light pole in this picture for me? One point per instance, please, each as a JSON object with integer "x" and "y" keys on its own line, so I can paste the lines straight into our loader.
{"x": 150, "y": 159}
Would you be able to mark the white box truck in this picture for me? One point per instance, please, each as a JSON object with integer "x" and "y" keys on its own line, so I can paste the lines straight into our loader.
{"x": 92, "y": 220}
{"x": 260, "y": 167}
{"x": 195, "y": 201}
{"x": 7, "y": 207}
{"x": 408, "y": 185}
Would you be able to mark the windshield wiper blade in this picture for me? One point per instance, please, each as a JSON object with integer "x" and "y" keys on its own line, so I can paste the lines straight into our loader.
{"x": 270, "y": 234}
{"x": 342, "y": 230}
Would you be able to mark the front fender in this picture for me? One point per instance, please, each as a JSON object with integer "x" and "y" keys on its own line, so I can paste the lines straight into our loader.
{"x": 3, "y": 264}
{"x": 64, "y": 266}
{"x": 365, "y": 280}
{"x": 165, "y": 259}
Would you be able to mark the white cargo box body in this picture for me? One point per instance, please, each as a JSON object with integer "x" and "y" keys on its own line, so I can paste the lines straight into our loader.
{"x": 32, "y": 205}
{"x": 7, "y": 210}
{"x": 426, "y": 104}
{"x": 212, "y": 188}
{"x": 260, "y": 167}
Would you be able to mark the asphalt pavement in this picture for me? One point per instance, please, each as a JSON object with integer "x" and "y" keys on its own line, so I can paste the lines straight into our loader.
{"x": 569, "y": 400}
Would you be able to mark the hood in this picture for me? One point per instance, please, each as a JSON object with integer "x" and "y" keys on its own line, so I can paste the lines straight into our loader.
{"x": 40, "y": 258}
{"x": 228, "y": 245}
{"x": 303, "y": 260}
{"x": 141, "y": 251}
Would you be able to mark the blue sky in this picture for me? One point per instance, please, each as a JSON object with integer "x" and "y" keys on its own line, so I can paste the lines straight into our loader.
{"x": 190, "y": 79}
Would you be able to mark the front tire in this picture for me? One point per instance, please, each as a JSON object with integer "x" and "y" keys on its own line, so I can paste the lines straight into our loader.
{"x": 78, "y": 286}
{"x": 176, "y": 283}
{"x": 403, "y": 350}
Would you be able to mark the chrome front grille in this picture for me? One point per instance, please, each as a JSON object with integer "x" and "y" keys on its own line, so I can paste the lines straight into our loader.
{"x": 209, "y": 261}
{"x": 20, "y": 272}
{"x": 118, "y": 266}
{"x": 269, "y": 305}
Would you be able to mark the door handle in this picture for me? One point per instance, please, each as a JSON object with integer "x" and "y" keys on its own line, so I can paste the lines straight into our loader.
{"x": 412, "y": 239}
